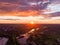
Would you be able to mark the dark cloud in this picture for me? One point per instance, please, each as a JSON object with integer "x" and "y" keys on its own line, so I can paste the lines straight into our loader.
{"x": 7, "y": 7}
{"x": 11, "y": 1}
{"x": 55, "y": 1}
{"x": 55, "y": 14}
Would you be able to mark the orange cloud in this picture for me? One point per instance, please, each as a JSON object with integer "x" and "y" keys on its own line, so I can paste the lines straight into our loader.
{"x": 21, "y": 13}
{"x": 28, "y": 13}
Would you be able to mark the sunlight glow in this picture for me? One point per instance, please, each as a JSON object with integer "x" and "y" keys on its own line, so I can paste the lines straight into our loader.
{"x": 32, "y": 22}
{"x": 57, "y": 18}
{"x": 20, "y": 17}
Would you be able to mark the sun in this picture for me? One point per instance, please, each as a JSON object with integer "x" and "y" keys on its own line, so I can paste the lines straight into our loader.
{"x": 31, "y": 22}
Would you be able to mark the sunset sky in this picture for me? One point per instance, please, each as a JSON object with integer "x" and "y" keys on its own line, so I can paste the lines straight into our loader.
{"x": 27, "y": 7}
{"x": 48, "y": 8}
{"x": 23, "y": 7}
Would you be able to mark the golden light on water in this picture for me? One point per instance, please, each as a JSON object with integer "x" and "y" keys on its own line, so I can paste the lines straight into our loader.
{"x": 31, "y": 30}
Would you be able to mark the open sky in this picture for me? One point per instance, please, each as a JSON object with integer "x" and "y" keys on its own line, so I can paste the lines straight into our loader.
{"x": 25, "y": 7}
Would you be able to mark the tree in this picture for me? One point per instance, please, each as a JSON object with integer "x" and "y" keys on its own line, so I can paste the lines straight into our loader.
{"x": 44, "y": 38}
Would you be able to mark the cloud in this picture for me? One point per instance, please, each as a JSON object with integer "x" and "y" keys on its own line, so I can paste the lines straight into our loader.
{"x": 21, "y": 7}
{"x": 16, "y": 9}
{"x": 5, "y": 6}
{"x": 21, "y": 13}
{"x": 55, "y": 1}
{"x": 9, "y": 1}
